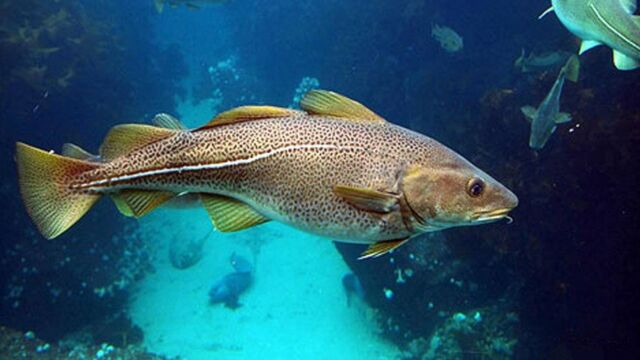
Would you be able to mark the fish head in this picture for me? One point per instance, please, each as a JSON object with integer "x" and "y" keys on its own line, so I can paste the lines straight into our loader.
{"x": 454, "y": 194}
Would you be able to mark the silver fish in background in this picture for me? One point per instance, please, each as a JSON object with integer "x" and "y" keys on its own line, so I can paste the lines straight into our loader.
{"x": 541, "y": 61}
{"x": 603, "y": 22}
{"x": 191, "y": 4}
{"x": 545, "y": 119}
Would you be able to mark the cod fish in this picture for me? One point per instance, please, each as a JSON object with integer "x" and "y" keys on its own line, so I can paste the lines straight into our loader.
{"x": 545, "y": 119}
{"x": 603, "y": 22}
{"x": 191, "y": 4}
{"x": 228, "y": 289}
{"x": 335, "y": 169}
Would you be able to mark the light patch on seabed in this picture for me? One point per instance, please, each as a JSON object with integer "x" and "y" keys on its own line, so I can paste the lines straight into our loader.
{"x": 296, "y": 308}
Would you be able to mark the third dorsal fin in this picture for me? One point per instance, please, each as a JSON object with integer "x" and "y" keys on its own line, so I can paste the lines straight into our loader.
{"x": 122, "y": 139}
{"x": 322, "y": 102}
{"x": 248, "y": 113}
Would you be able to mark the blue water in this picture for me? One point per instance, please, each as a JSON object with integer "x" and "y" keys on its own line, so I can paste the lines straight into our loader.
{"x": 559, "y": 282}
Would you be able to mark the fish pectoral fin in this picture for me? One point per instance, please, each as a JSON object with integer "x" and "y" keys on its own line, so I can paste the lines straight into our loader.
{"x": 76, "y": 152}
{"x": 167, "y": 121}
{"x": 123, "y": 139}
{"x": 529, "y": 112}
{"x": 587, "y": 45}
{"x": 248, "y": 113}
{"x": 322, "y": 102}
{"x": 368, "y": 199}
{"x": 624, "y": 62}
{"x": 138, "y": 203}
{"x": 562, "y": 118}
{"x": 228, "y": 214}
{"x": 381, "y": 247}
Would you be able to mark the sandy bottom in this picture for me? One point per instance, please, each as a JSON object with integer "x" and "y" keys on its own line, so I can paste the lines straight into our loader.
{"x": 296, "y": 308}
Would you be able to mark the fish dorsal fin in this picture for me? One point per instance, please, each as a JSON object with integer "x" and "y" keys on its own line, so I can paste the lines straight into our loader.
{"x": 229, "y": 214}
{"x": 76, "y": 152}
{"x": 381, "y": 247}
{"x": 138, "y": 203}
{"x": 529, "y": 112}
{"x": 322, "y": 102}
{"x": 123, "y": 139}
{"x": 630, "y": 6}
{"x": 368, "y": 199}
{"x": 248, "y": 113}
{"x": 168, "y": 122}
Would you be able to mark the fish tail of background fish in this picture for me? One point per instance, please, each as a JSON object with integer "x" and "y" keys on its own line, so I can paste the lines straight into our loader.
{"x": 46, "y": 181}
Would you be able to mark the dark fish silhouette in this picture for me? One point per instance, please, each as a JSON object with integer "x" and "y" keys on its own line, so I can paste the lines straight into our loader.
{"x": 352, "y": 286}
{"x": 228, "y": 289}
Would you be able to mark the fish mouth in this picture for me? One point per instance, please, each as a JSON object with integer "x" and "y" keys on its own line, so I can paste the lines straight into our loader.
{"x": 492, "y": 216}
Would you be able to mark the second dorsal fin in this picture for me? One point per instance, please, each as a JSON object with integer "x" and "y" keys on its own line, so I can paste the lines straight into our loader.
{"x": 167, "y": 121}
{"x": 248, "y": 113}
{"x": 123, "y": 139}
{"x": 322, "y": 102}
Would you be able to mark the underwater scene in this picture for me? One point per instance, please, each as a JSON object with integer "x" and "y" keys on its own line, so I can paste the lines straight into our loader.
{"x": 251, "y": 179}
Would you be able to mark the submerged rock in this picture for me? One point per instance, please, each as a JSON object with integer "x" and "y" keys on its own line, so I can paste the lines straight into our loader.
{"x": 185, "y": 252}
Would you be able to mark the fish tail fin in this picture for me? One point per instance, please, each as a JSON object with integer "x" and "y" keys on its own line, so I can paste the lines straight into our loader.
{"x": 572, "y": 68}
{"x": 159, "y": 5}
{"x": 45, "y": 180}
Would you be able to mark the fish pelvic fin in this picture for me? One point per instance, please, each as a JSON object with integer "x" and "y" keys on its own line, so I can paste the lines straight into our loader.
{"x": 45, "y": 184}
{"x": 329, "y": 103}
{"x": 382, "y": 247}
{"x": 587, "y": 45}
{"x": 546, "y": 12}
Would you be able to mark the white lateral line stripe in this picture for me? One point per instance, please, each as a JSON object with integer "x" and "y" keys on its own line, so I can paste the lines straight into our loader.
{"x": 190, "y": 168}
{"x": 614, "y": 30}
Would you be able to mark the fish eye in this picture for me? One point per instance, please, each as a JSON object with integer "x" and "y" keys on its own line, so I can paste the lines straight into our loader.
{"x": 475, "y": 187}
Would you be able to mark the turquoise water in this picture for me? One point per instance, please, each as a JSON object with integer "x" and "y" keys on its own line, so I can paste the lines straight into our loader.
{"x": 558, "y": 282}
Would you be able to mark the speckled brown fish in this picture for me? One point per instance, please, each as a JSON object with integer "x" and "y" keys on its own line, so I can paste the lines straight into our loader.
{"x": 335, "y": 169}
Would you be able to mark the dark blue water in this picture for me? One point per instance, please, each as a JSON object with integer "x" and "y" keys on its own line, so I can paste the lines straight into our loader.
{"x": 560, "y": 282}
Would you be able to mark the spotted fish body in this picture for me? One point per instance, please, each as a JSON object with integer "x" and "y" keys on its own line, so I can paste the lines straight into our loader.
{"x": 286, "y": 168}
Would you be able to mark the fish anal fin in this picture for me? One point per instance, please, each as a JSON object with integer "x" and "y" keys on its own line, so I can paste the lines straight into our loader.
{"x": 123, "y": 139}
{"x": 322, "y": 102}
{"x": 76, "y": 152}
{"x": 587, "y": 45}
{"x": 368, "y": 199}
{"x": 529, "y": 112}
{"x": 140, "y": 202}
{"x": 562, "y": 118}
{"x": 229, "y": 215}
{"x": 624, "y": 62}
{"x": 167, "y": 121}
{"x": 248, "y": 113}
{"x": 381, "y": 247}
